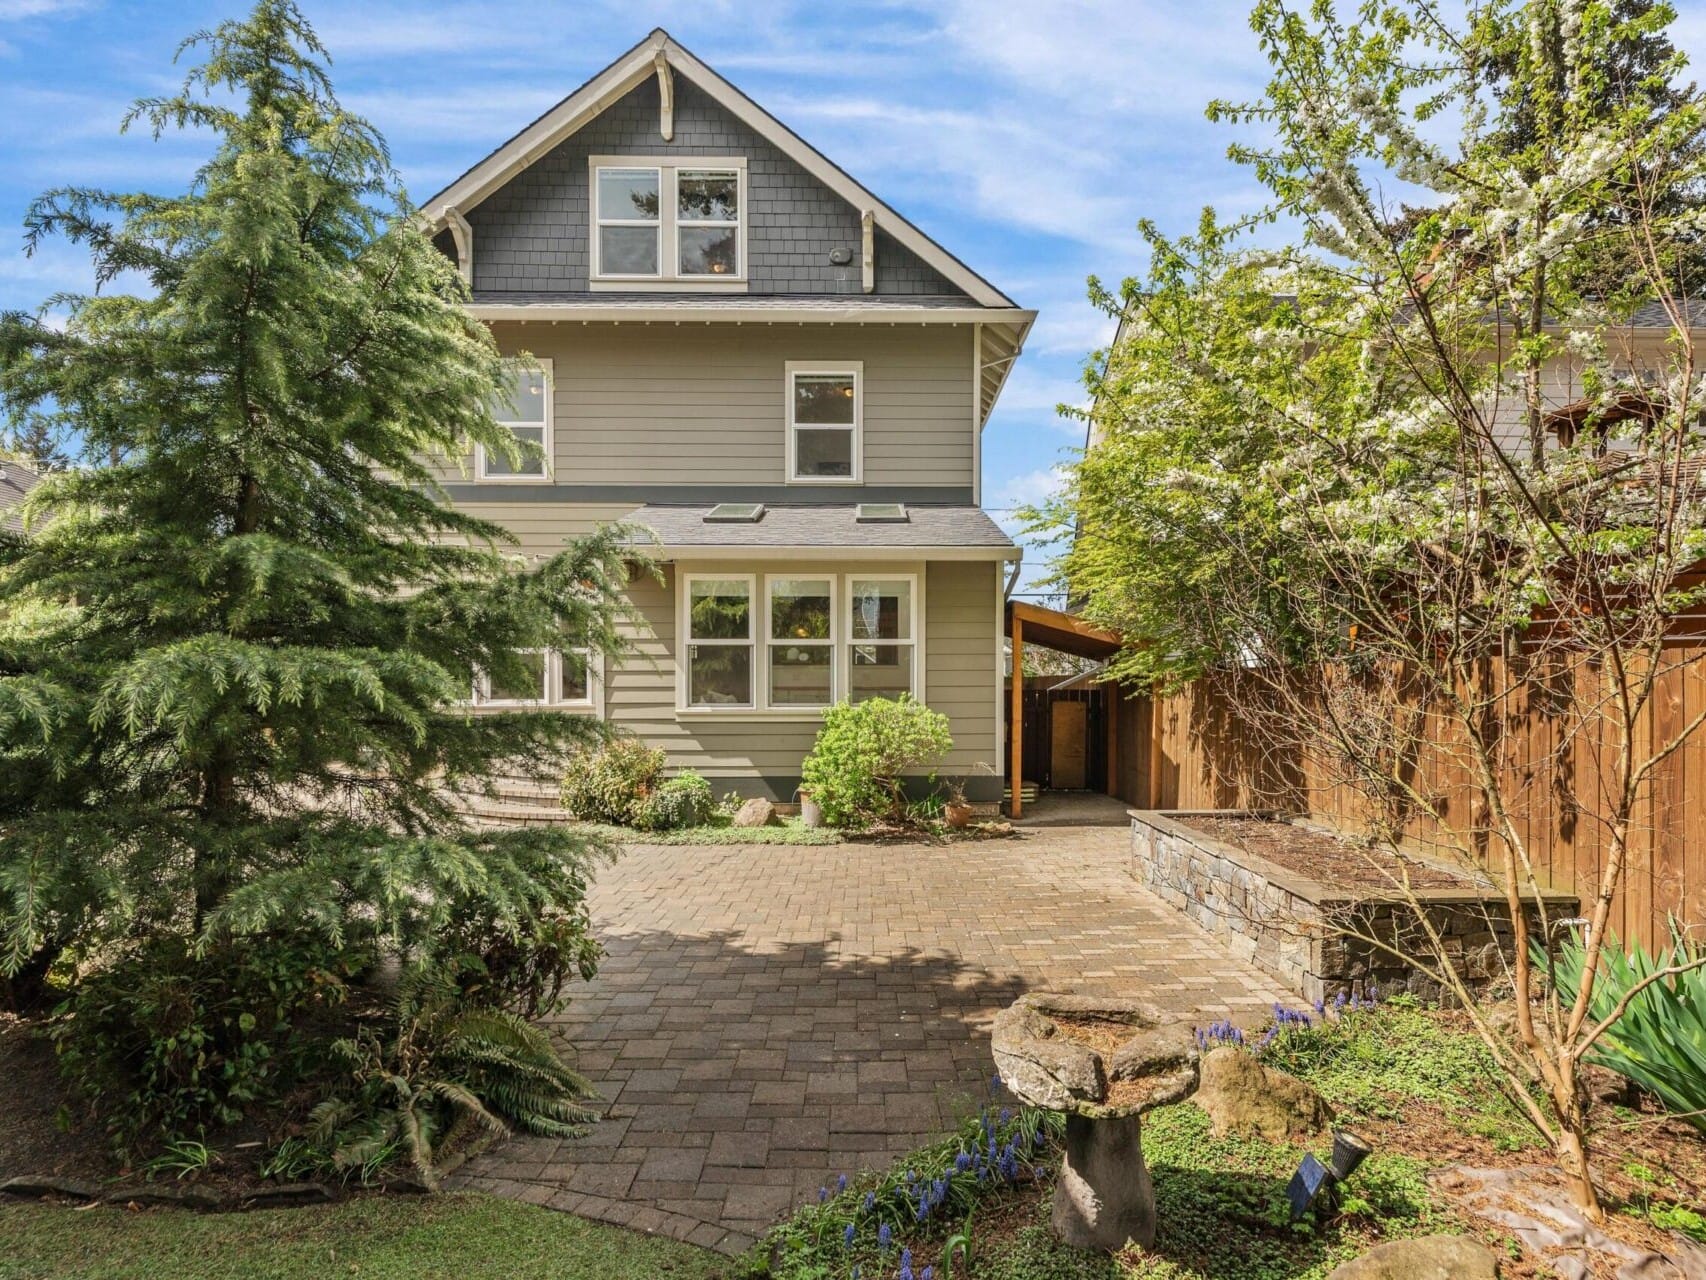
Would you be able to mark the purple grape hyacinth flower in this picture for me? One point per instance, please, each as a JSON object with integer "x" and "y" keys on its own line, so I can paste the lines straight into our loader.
{"x": 847, "y": 1237}
{"x": 841, "y": 1184}
{"x": 885, "y": 1237}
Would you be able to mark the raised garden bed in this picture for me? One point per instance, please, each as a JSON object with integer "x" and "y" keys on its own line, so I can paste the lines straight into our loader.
{"x": 1281, "y": 895}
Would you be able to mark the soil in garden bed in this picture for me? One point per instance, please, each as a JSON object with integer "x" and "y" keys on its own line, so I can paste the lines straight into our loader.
{"x": 1329, "y": 859}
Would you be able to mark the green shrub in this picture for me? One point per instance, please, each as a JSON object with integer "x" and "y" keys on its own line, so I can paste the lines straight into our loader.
{"x": 683, "y": 801}
{"x": 166, "y": 1042}
{"x": 443, "y": 1059}
{"x": 612, "y": 782}
{"x": 855, "y": 766}
{"x": 1660, "y": 1041}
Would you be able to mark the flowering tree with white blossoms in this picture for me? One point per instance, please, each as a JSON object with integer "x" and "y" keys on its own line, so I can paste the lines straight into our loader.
{"x": 1396, "y": 485}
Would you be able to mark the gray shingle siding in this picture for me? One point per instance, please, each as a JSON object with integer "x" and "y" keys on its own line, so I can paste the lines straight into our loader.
{"x": 532, "y": 234}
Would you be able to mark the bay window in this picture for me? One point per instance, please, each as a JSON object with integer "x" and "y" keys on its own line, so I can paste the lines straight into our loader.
{"x": 719, "y": 642}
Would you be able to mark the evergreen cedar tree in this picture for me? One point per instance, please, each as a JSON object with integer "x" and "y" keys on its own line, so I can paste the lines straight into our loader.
{"x": 237, "y": 646}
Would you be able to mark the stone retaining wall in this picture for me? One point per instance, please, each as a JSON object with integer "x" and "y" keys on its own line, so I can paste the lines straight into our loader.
{"x": 1295, "y": 928}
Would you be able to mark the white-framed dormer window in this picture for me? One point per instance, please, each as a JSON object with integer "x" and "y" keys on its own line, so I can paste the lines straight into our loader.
{"x": 525, "y": 409}
{"x": 718, "y": 627}
{"x": 800, "y": 642}
{"x": 826, "y": 411}
{"x": 567, "y": 678}
{"x": 882, "y": 636}
{"x": 668, "y": 222}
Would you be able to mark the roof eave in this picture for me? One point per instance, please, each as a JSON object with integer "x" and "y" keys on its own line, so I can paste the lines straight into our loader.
{"x": 747, "y": 551}
{"x": 725, "y": 309}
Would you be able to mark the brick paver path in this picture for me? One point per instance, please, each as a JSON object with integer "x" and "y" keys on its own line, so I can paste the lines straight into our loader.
{"x": 769, "y": 1017}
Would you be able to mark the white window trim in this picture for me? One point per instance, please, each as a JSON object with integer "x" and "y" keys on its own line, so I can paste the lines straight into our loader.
{"x": 915, "y": 642}
{"x": 831, "y": 368}
{"x": 833, "y": 643}
{"x": 841, "y": 627}
{"x": 685, "y": 641}
{"x": 552, "y": 686}
{"x": 668, "y": 276}
{"x": 548, "y": 436}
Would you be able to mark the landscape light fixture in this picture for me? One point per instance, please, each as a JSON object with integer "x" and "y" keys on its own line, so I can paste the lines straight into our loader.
{"x": 1313, "y": 1180}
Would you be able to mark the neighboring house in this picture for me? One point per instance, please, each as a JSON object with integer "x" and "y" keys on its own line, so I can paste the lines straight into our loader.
{"x": 747, "y": 351}
{"x": 16, "y": 480}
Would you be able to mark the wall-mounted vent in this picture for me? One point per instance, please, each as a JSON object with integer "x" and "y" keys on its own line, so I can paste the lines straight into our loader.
{"x": 735, "y": 513}
{"x": 881, "y": 513}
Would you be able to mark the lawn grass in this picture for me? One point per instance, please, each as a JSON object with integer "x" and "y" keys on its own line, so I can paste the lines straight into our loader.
{"x": 449, "y": 1237}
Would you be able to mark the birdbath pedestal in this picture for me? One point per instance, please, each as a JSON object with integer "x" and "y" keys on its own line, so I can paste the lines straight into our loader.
{"x": 1103, "y": 1062}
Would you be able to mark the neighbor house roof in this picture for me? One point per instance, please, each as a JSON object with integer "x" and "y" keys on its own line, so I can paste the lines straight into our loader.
{"x": 16, "y": 480}
{"x": 822, "y": 529}
{"x": 651, "y": 57}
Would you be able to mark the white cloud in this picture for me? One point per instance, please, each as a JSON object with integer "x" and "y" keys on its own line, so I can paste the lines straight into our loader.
{"x": 18, "y": 10}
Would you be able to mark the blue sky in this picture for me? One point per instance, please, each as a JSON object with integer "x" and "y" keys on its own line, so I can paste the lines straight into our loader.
{"x": 1028, "y": 137}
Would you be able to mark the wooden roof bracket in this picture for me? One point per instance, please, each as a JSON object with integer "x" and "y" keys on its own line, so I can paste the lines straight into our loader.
{"x": 868, "y": 250}
{"x": 666, "y": 97}
{"x": 463, "y": 235}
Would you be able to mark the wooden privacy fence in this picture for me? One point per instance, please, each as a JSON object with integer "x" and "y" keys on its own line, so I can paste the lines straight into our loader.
{"x": 1558, "y": 773}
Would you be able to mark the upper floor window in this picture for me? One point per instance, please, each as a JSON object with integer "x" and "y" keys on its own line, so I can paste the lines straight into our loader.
{"x": 657, "y": 221}
{"x": 525, "y": 408}
{"x": 825, "y": 432}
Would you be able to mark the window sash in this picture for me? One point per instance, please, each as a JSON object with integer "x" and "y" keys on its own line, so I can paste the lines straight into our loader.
{"x": 692, "y": 644}
{"x": 490, "y": 466}
{"x": 671, "y": 222}
{"x": 871, "y": 647}
{"x": 851, "y": 371}
{"x": 775, "y": 643}
{"x": 552, "y": 682}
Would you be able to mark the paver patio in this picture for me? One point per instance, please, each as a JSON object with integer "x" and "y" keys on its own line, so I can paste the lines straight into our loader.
{"x": 768, "y": 1017}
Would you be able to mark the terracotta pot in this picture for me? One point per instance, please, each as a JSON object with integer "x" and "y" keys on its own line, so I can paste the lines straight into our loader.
{"x": 957, "y": 814}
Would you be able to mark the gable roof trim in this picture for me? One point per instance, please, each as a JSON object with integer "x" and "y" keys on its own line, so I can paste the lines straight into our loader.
{"x": 628, "y": 72}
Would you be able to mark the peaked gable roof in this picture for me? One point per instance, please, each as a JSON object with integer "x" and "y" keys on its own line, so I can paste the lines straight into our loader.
{"x": 645, "y": 60}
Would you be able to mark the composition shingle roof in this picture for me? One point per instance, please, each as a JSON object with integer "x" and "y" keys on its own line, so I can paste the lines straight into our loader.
{"x": 16, "y": 480}
{"x": 823, "y": 526}
{"x": 733, "y": 304}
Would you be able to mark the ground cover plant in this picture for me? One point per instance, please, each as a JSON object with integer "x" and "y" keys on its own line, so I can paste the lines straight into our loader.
{"x": 238, "y": 642}
{"x": 1416, "y": 1082}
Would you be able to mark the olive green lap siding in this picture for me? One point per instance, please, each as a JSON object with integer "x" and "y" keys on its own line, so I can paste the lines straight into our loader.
{"x": 704, "y": 404}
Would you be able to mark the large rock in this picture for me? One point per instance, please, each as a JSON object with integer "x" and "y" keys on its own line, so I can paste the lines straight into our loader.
{"x": 757, "y": 812}
{"x": 1424, "y": 1258}
{"x": 1246, "y": 1099}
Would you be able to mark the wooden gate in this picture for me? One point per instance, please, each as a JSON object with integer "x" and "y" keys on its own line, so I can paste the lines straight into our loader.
{"x": 1066, "y": 738}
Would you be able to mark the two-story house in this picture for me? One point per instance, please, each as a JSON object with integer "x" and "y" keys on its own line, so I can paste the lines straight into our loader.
{"x": 742, "y": 348}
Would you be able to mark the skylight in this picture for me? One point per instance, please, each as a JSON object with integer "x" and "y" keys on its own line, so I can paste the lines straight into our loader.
{"x": 881, "y": 513}
{"x": 735, "y": 513}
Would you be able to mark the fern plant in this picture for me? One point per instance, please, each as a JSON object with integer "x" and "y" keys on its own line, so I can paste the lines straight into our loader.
{"x": 447, "y": 1062}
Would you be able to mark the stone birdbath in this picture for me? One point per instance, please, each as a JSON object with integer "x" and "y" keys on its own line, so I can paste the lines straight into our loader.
{"x": 1103, "y": 1062}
